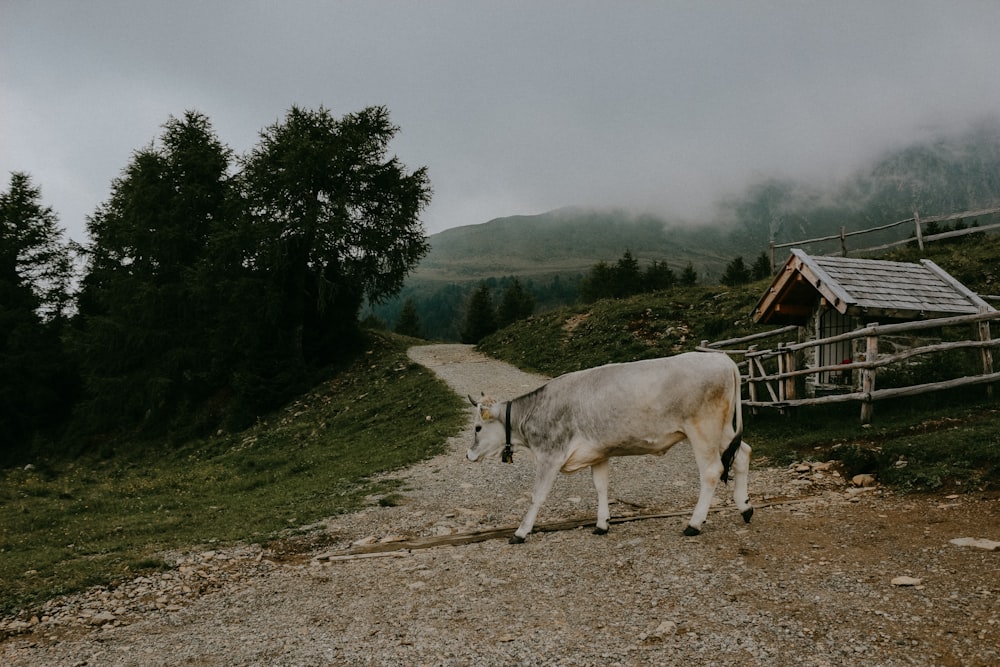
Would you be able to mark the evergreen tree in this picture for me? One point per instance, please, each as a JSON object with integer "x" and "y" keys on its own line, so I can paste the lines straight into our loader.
{"x": 335, "y": 221}
{"x": 689, "y": 277}
{"x": 761, "y": 267}
{"x": 37, "y": 380}
{"x": 599, "y": 283}
{"x": 627, "y": 277}
{"x": 515, "y": 304}
{"x": 658, "y": 276}
{"x": 480, "y": 318}
{"x": 409, "y": 320}
{"x": 146, "y": 317}
{"x": 736, "y": 273}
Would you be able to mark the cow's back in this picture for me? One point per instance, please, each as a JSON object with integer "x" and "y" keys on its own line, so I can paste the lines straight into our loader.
{"x": 636, "y": 400}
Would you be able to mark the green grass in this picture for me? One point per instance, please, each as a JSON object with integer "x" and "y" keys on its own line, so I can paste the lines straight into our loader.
{"x": 640, "y": 327}
{"x": 948, "y": 441}
{"x": 66, "y": 525}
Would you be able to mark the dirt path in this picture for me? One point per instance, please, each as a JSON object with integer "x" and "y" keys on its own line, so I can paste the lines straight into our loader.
{"x": 809, "y": 583}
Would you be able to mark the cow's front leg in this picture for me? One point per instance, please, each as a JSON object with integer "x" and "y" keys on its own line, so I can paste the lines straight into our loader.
{"x": 601, "y": 472}
{"x": 545, "y": 475}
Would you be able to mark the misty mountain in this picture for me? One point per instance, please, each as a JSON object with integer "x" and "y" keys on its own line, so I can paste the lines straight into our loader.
{"x": 938, "y": 177}
{"x": 553, "y": 250}
{"x": 567, "y": 240}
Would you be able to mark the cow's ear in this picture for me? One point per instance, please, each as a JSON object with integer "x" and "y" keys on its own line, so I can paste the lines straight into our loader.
{"x": 485, "y": 414}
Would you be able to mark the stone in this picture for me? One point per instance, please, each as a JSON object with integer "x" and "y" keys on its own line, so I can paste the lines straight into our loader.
{"x": 665, "y": 628}
{"x": 102, "y": 618}
{"x": 978, "y": 543}
{"x": 906, "y": 581}
{"x": 864, "y": 480}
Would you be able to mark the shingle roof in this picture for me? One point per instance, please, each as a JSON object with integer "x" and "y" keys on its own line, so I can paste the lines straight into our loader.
{"x": 869, "y": 287}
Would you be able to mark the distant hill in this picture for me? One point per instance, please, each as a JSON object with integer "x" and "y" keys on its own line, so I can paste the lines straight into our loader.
{"x": 552, "y": 251}
{"x": 566, "y": 240}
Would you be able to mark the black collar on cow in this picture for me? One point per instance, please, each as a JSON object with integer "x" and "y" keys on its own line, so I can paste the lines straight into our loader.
{"x": 508, "y": 450}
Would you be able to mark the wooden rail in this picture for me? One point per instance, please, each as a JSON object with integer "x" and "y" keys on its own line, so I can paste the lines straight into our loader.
{"x": 780, "y": 386}
{"x": 916, "y": 220}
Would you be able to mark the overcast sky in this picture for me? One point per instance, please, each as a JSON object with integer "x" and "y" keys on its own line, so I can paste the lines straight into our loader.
{"x": 514, "y": 107}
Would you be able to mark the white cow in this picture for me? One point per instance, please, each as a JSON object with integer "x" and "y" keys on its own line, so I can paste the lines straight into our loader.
{"x": 584, "y": 418}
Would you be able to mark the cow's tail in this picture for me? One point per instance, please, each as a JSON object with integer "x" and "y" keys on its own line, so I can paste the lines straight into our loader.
{"x": 730, "y": 453}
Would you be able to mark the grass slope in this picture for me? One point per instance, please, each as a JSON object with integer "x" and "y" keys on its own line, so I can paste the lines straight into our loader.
{"x": 68, "y": 525}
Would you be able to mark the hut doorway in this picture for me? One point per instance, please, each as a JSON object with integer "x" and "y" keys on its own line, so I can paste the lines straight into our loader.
{"x": 832, "y": 323}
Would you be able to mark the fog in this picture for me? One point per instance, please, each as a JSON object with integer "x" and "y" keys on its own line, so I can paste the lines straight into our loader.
{"x": 515, "y": 107}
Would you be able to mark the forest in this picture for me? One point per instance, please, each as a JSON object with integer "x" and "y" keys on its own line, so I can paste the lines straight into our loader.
{"x": 213, "y": 286}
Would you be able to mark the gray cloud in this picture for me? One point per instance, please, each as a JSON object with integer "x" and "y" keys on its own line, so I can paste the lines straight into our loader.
{"x": 515, "y": 107}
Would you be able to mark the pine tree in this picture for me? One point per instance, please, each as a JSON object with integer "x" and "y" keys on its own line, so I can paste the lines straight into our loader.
{"x": 627, "y": 277}
{"x": 409, "y": 320}
{"x": 515, "y": 304}
{"x": 37, "y": 380}
{"x": 480, "y": 319}
{"x": 598, "y": 283}
{"x": 736, "y": 273}
{"x": 689, "y": 277}
{"x": 658, "y": 276}
{"x": 761, "y": 267}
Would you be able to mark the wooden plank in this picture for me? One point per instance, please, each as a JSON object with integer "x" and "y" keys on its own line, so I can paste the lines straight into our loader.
{"x": 756, "y": 336}
{"x": 402, "y": 548}
{"x": 879, "y": 394}
{"x": 886, "y": 360}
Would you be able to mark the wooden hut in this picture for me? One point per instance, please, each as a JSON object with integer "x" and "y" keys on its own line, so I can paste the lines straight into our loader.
{"x": 826, "y": 296}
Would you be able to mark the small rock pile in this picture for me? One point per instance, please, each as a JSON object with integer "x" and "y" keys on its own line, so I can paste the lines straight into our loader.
{"x": 192, "y": 575}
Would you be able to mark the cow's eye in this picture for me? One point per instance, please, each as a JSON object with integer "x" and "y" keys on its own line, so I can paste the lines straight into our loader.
{"x": 478, "y": 428}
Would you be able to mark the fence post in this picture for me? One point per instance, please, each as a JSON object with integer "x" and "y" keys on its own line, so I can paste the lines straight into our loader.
{"x": 773, "y": 268}
{"x": 984, "y": 335}
{"x": 868, "y": 374}
{"x": 751, "y": 383}
{"x": 786, "y": 364}
{"x": 843, "y": 242}
{"x": 920, "y": 234}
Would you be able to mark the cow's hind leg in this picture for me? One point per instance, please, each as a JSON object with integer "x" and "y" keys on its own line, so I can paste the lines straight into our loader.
{"x": 601, "y": 472}
{"x": 710, "y": 467}
{"x": 741, "y": 473}
{"x": 545, "y": 474}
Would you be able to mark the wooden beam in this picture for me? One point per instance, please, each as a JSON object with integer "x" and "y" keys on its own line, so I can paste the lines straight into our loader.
{"x": 458, "y": 539}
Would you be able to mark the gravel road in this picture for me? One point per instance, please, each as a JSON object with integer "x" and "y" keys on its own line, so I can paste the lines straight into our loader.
{"x": 833, "y": 576}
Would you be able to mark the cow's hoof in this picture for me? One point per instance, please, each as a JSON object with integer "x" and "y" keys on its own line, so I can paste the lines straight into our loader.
{"x": 691, "y": 531}
{"x": 600, "y": 531}
{"x": 747, "y": 514}
{"x": 515, "y": 539}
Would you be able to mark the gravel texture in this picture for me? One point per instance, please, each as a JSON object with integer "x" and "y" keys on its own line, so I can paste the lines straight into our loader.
{"x": 809, "y": 582}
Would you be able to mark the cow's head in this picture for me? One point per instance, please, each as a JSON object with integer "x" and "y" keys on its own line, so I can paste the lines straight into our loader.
{"x": 489, "y": 437}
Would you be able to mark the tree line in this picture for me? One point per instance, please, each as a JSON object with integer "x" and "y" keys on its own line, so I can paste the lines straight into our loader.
{"x": 472, "y": 312}
{"x": 212, "y": 286}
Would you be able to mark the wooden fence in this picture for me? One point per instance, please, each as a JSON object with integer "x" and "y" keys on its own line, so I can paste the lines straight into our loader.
{"x": 919, "y": 237}
{"x": 780, "y": 389}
